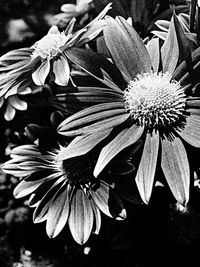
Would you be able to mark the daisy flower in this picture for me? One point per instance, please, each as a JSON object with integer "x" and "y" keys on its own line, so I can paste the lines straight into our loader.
{"x": 153, "y": 106}
{"x": 62, "y": 191}
{"x": 49, "y": 56}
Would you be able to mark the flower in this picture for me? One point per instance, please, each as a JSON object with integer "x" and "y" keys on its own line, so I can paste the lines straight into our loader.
{"x": 62, "y": 192}
{"x": 72, "y": 11}
{"x": 48, "y": 57}
{"x": 151, "y": 105}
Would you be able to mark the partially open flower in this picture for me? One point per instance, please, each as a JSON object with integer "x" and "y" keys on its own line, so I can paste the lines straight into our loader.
{"x": 62, "y": 191}
{"x": 49, "y": 57}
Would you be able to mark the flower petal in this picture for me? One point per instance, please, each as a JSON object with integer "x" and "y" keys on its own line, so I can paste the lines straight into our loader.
{"x": 125, "y": 138}
{"x": 17, "y": 103}
{"x": 93, "y": 119}
{"x": 81, "y": 217}
{"x": 61, "y": 70}
{"x": 147, "y": 167}
{"x": 100, "y": 197}
{"x": 126, "y": 48}
{"x": 175, "y": 166}
{"x": 154, "y": 53}
{"x": 58, "y": 212}
{"x": 9, "y": 113}
{"x": 40, "y": 74}
{"x": 81, "y": 145}
{"x": 190, "y": 133}
{"x": 25, "y": 188}
{"x": 170, "y": 49}
{"x": 97, "y": 217}
{"x": 41, "y": 210}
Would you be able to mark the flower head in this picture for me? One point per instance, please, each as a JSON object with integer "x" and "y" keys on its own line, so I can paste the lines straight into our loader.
{"x": 151, "y": 106}
{"x": 62, "y": 191}
{"x": 49, "y": 46}
{"x": 154, "y": 100}
{"x": 50, "y": 57}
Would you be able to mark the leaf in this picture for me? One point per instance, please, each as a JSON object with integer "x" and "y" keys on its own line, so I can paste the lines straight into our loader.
{"x": 126, "y": 47}
{"x": 175, "y": 166}
{"x": 125, "y": 138}
{"x": 81, "y": 217}
{"x": 147, "y": 167}
{"x": 58, "y": 212}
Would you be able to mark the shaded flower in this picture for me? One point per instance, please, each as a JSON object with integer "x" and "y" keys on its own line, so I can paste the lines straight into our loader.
{"x": 61, "y": 192}
{"x": 72, "y": 11}
{"x": 47, "y": 57}
{"x": 151, "y": 105}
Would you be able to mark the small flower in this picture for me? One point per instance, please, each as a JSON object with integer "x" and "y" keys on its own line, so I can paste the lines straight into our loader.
{"x": 49, "y": 57}
{"x": 147, "y": 105}
{"x": 62, "y": 191}
{"x": 72, "y": 11}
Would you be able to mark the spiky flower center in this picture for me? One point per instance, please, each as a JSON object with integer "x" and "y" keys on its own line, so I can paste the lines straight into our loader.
{"x": 155, "y": 100}
{"x": 49, "y": 46}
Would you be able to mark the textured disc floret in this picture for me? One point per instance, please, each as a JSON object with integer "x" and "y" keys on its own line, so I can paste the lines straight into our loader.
{"x": 49, "y": 46}
{"x": 155, "y": 100}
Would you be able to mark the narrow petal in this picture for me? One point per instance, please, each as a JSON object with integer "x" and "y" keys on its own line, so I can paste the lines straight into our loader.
{"x": 58, "y": 212}
{"x": 41, "y": 210}
{"x": 175, "y": 166}
{"x": 25, "y": 188}
{"x": 97, "y": 217}
{"x": 100, "y": 197}
{"x": 81, "y": 217}
{"x": 126, "y": 48}
{"x": 154, "y": 52}
{"x": 82, "y": 145}
{"x": 190, "y": 133}
{"x": 61, "y": 70}
{"x": 147, "y": 167}
{"x": 170, "y": 50}
{"x": 40, "y": 74}
{"x": 93, "y": 119}
{"x": 125, "y": 138}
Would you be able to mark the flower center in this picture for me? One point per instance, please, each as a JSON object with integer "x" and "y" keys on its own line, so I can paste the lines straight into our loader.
{"x": 49, "y": 46}
{"x": 79, "y": 171}
{"x": 154, "y": 100}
